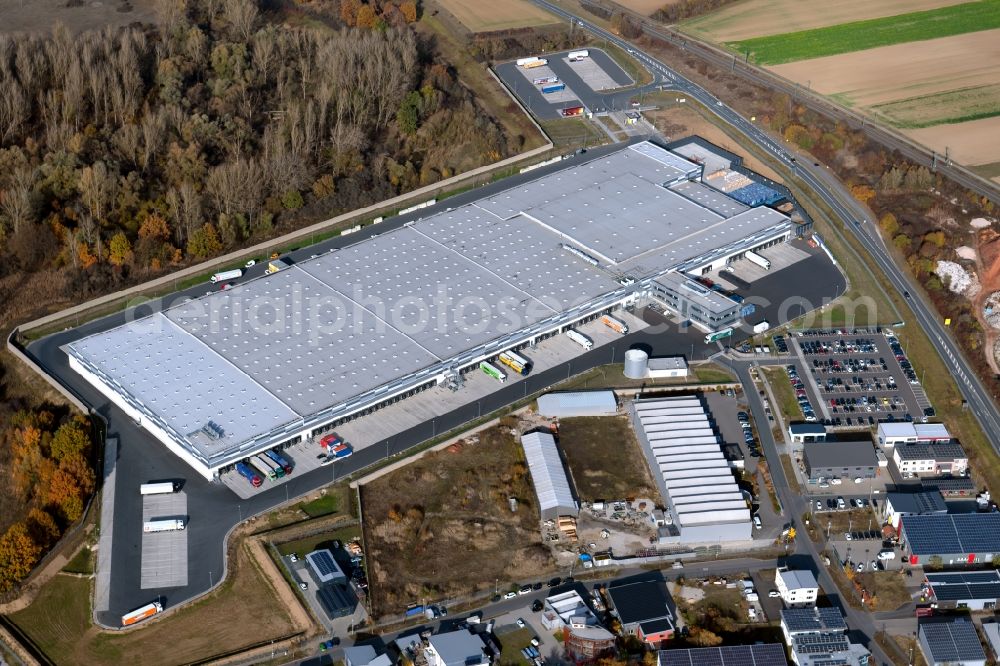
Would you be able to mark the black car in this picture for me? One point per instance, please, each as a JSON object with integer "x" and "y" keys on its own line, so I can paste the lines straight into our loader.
{"x": 536, "y": 586}
{"x": 555, "y": 581}
{"x": 537, "y": 606}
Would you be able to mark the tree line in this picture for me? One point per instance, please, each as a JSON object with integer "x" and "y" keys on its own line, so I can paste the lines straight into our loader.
{"x": 50, "y": 471}
{"x": 128, "y": 150}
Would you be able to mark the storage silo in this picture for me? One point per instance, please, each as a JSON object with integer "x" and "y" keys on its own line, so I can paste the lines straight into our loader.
{"x": 635, "y": 363}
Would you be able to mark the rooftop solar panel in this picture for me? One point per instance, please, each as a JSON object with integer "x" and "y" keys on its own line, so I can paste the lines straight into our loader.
{"x": 813, "y": 619}
{"x": 951, "y": 641}
{"x": 949, "y": 534}
{"x": 769, "y": 654}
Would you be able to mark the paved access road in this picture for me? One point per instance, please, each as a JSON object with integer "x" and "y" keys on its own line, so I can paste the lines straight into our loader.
{"x": 835, "y": 195}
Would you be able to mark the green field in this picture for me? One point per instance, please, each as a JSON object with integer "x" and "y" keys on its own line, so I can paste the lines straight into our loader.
{"x": 952, "y": 106}
{"x": 861, "y": 35}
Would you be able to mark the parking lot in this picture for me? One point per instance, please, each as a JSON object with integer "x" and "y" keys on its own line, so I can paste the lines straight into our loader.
{"x": 164, "y": 554}
{"x": 858, "y": 379}
{"x": 585, "y": 80}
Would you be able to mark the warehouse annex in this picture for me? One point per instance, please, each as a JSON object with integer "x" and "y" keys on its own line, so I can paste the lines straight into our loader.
{"x": 280, "y": 358}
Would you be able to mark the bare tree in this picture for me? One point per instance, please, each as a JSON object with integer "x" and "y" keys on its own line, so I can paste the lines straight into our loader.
{"x": 241, "y": 15}
{"x": 98, "y": 186}
{"x": 17, "y": 201}
{"x": 185, "y": 210}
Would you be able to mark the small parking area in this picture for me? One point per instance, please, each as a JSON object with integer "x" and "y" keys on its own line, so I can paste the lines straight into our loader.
{"x": 863, "y": 554}
{"x": 164, "y": 554}
{"x": 859, "y": 378}
{"x": 584, "y": 79}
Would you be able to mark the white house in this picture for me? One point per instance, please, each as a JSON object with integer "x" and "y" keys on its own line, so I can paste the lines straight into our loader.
{"x": 797, "y": 588}
{"x": 456, "y": 648}
{"x": 937, "y": 458}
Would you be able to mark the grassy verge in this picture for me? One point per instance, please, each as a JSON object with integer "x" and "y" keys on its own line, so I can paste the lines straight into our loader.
{"x": 322, "y": 540}
{"x": 511, "y": 643}
{"x": 712, "y": 374}
{"x": 82, "y": 563}
{"x": 611, "y": 376}
{"x": 783, "y": 392}
{"x": 637, "y": 72}
{"x": 321, "y": 506}
{"x": 573, "y": 132}
{"x": 871, "y": 33}
{"x": 789, "y": 469}
{"x": 59, "y": 622}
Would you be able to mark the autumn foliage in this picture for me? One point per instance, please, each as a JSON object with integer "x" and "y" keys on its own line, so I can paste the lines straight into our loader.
{"x": 49, "y": 467}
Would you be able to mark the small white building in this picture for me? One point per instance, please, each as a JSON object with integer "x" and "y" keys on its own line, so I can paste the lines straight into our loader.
{"x": 567, "y": 610}
{"x": 893, "y": 433}
{"x": 666, "y": 367}
{"x": 896, "y": 505}
{"x": 797, "y": 588}
{"x": 807, "y": 432}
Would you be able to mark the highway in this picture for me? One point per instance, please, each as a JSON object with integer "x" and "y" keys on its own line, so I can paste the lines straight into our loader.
{"x": 835, "y": 195}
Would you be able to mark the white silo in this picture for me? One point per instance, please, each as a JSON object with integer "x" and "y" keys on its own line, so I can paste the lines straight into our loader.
{"x": 635, "y": 364}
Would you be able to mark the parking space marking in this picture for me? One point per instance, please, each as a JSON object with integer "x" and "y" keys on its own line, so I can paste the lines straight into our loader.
{"x": 164, "y": 554}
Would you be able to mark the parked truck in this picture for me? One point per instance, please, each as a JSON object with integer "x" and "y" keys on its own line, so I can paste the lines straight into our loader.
{"x": 580, "y": 339}
{"x": 493, "y": 371}
{"x": 341, "y": 451}
{"x": 553, "y": 87}
{"x": 279, "y": 460}
{"x": 162, "y": 488}
{"x": 757, "y": 259}
{"x": 614, "y": 324}
{"x": 275, "y": 265}
{"x": 244, "y": 470}
{"x": 171, "y": 525}
{"x": 761, "y": 327}
{"x": 140, "y": 614}
{"x": 537, "y": 62}
{"x": 225, "y": 276}
{"x": 541, "y": 80}
{"x": 521, "y": 62}
{"x": 515, "y": 362}
{"x": 575, "y": 56}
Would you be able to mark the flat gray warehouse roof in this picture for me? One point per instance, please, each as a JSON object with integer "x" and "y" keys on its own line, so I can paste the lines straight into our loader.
{"x": 235, "y": 371}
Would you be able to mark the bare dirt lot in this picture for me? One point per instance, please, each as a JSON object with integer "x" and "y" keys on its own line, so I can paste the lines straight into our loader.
{"x": 483, "y": 16}
{"x": 441, "y": 527}
{"x": 604, "y": 459}
{"x": 678, "y": 121}
{"x": 902, "y": 71}
{"x": 972, "y": 142}
{"x": 43, "y": 15}
{"x": 756, "y": 18}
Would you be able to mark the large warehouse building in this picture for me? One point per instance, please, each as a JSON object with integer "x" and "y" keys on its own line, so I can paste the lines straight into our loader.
{"x": 705, "y": 503}
{"x": 282, "y": 358}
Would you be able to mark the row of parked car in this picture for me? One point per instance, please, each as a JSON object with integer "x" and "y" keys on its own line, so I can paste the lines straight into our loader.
{"x": 748, "y": 437}
{"x": 800, "y": 394}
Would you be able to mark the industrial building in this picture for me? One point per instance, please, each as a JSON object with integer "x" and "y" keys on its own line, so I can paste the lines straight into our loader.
{"x": 457, "y": 648}
{"x": 836, "y": 460}
{"x": 668, "y": 367}
{"x": 325, "y": 568}
{"x": 974, "y": 590}
{"x": 807, "y": 432}
{"x": 927, "y": 458}
{"x": 566, "y": 404}
{"x": 555, "y": 497}
{"x": 645, "y": 610}
{"x": 282, "y": 358}
{"x": 891, "y": 433}
{"x": 921, "y": 503}
{"x": 759, "y": 654}
{"x": 798, "y": 588}
{"x": 704, "y": 502}
{"x": 952, "y": 539}
{"x": 950, "y": 643}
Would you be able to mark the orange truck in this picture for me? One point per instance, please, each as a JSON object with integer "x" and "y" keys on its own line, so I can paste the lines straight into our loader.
{"x": 140, "y": 614}
{"x": 615, "y": 324}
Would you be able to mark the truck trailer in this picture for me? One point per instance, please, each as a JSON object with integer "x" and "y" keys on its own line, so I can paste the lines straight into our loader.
{"x": 553, "y": 87}
{"x": 757, "y": 259}
{"x": 580, "y": 339}
{"x": 157, "y": 488}
{"x": 515, "y": 362}
{"x": 761, "y": 327}
{"x": 170, "y": 525}
{"x": 615, "y": 324}
{"x": 493, "y": 371}
{"x": 521, "y": 62}
{"x": 545, "y": 79}
{"x": 575, "y": 56}
{"x": 537, "y": 62}
{"x": 571, "y": 111}
{"x": 140, "y": 614}
{"x": 243, "y": 470}
{"x": 225, "y": 276}
{"x": 279, "y": 460}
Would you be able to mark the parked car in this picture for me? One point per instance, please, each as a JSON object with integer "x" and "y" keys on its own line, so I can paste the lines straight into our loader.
{"x": 510, "y": 595}
{"x": 520, "y": 623}
{"x": 525, "y": 589}
{"x": 773, "y": 594}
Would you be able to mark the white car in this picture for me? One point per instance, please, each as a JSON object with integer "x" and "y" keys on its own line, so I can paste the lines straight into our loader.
{"x": 773, "y": 594}
{"x": 251, "y": 263}
{"x": 520, "y": 623}
{"x": 510, "y": 595}
{"x": 293, "y": 557}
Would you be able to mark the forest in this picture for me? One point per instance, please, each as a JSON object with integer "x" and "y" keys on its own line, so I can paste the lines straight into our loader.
{"x": 127, "y": 152}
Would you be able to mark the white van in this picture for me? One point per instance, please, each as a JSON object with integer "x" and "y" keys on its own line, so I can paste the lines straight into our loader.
{"x": 887, "y": 555}
{"x": 756, "y": 522}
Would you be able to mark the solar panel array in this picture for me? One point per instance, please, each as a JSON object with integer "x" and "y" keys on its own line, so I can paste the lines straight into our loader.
{"x": 813, "y": 619}
{"x": 764, "y": 654}
{"x": 325, "y": 566}
{"x": 959, "y": 586}
{"x": 951, "y": 534}
{"x": 820, "y": 643}
{"x": 951, "y": 641}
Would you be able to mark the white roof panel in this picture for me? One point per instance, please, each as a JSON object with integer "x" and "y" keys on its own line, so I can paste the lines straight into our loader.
{"x": 547, "y": 473}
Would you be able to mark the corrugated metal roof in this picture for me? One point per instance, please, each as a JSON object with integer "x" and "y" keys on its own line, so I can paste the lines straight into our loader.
{"x": 577, "y": 403}
{"x": 547, "y": 472}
